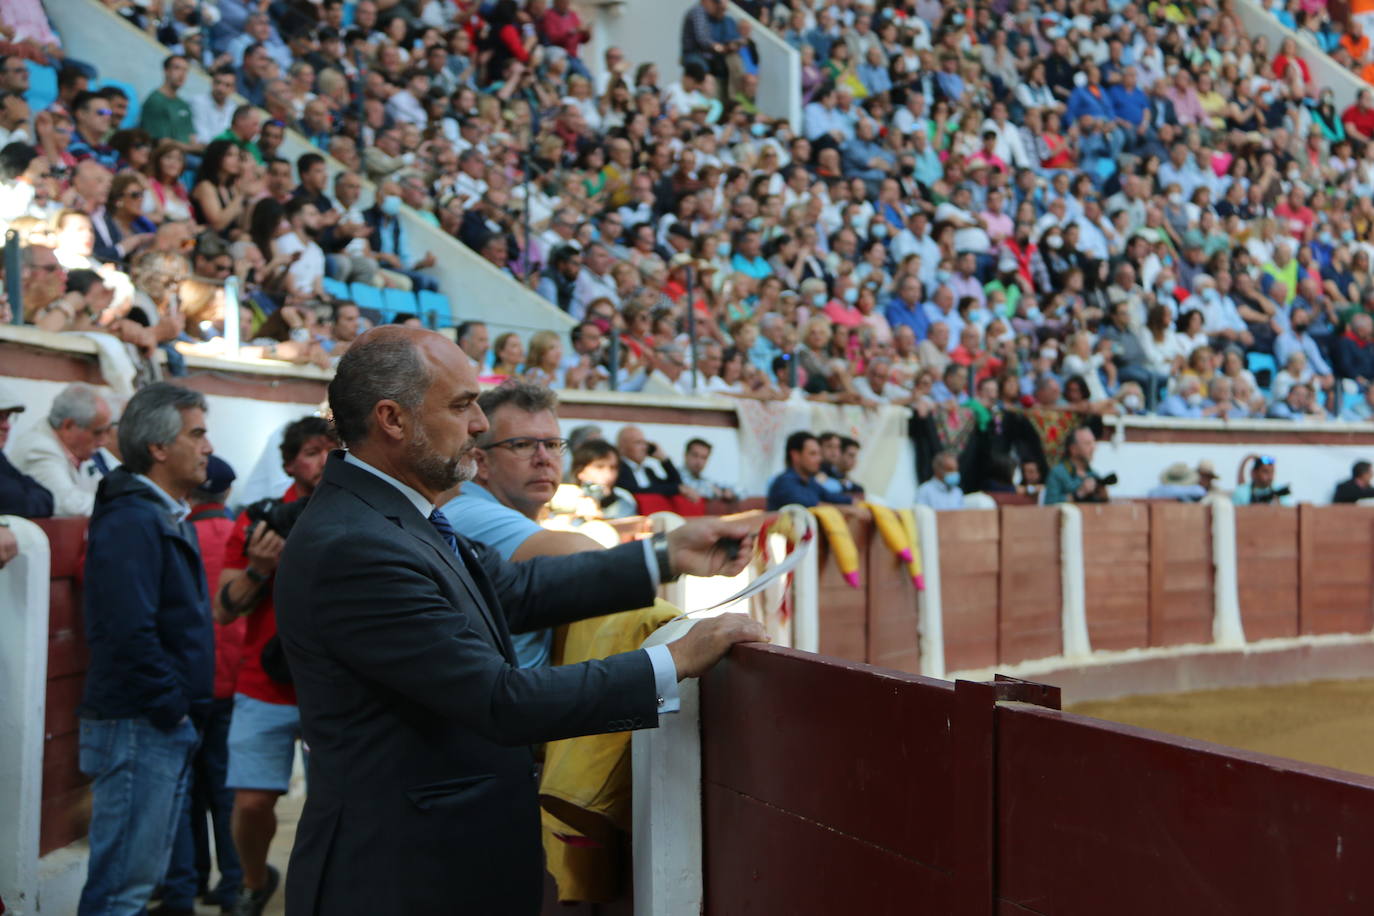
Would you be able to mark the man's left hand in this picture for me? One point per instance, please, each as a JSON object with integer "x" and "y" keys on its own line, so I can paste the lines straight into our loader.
{"x": 696, "y": 548}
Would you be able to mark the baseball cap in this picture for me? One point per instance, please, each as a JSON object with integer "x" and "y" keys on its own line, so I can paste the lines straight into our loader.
{"x": 219, "y": 476}
{"x": 9, "y": 401}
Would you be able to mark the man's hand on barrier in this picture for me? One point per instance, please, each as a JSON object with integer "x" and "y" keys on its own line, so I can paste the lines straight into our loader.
{"x": 706, "y": 643}
{"x": 9, "y": 546}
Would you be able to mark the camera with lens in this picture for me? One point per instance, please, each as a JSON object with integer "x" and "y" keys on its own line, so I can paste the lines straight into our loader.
{"x": 278, "y": 516}
{"x": 1269, "y": 496}
{"x": 1108, "y": 480}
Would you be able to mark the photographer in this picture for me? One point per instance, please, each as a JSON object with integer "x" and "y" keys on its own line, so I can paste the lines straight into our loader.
{"x": 1261, "y": 487}
{"x": 266, "y": 722}
{"x": 1074, "y": 480}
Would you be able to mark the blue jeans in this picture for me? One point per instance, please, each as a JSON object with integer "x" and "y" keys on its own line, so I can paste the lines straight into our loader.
{"x": 189, "y": 871}
{"x": 140, "y": 775}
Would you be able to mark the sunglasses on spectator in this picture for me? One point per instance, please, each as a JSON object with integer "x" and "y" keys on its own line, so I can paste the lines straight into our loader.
{"x": 1265, "y": 460}
{"x": 524, "y": 446}
{"x": 104, "y": 111}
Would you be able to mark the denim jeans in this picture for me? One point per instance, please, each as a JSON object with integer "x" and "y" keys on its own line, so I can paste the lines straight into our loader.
{"x": 140, "y": 775}
{"x": 189, "y": 871}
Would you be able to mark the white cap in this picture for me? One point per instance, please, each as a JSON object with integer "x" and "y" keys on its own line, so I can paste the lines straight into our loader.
{"x": 9, "y": 401}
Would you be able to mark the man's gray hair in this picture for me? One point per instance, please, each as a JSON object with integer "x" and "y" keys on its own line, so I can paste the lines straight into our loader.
{"x": 521, "y": 395}
{"x": 153, "y": 417}
{"x": 78, "y": 402}
{"x": 377, "y": 367}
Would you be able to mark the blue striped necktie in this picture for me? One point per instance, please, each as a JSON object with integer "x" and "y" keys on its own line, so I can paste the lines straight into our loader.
{"x": 441, "y": 525}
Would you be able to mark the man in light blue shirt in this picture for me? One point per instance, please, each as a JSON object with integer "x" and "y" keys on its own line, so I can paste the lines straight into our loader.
{"x": 942, "y": 490}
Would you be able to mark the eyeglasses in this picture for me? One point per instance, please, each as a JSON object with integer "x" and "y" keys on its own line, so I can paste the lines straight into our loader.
{"x": 104, "y": 111}
{"x": 523, "y": 446}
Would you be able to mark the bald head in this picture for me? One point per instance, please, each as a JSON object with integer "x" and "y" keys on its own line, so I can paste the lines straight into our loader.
{"x": 405, "y": 401}
{"x": 632, "y": 444}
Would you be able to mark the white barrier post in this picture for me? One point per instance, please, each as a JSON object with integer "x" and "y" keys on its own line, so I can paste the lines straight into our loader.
{"x": 1227, "y": 629}
{"x": 1071, "y": 576}
{"x": 666, "y": 767}
{"x": 930, "y": 608}
{"x": 24, "y": 585}
{"x": 806, "y": 591}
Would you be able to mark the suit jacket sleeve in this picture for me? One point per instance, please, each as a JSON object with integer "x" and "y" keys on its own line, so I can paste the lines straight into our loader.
{"x": 550, "y": 591}
{"x": 22, "y": 495}
{"x": 373, "y": 605}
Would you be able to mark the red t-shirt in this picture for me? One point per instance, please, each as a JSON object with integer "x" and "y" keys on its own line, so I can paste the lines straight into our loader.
{"x": 213, "y": 531}
{"x": 1362, "y": 119}
{"x": 260, "y": 624}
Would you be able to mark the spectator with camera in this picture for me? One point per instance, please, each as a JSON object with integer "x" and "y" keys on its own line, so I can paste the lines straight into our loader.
{"x": 151, "y": 674}
{"x": 266, "y": 721}
{"x": 1073, "y": 479}
{"x": 1259, "y": 489}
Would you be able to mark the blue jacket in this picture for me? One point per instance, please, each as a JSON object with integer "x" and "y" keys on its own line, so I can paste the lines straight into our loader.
{"x": 147, "y": 610}
{"x": 789, "y": 487}
{"x": 1083, "y": 102}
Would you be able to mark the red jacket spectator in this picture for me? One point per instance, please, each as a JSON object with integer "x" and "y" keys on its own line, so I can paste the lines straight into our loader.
{"x": 214, "y": 523}
{"x": 564, "y": 28}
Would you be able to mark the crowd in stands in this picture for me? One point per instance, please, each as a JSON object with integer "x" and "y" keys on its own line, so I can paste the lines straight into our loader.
{"x": 1057, "y": 210}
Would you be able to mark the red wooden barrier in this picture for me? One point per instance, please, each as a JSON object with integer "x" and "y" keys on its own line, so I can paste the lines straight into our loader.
{"x": 843, "y": 608}
{"x": 1116, "y": 564}
{"x": 1267, "y": 570}
{"x": 1030, "y": 611}
{"x": 970, "y": 561}
{"x": 1337, "y": 590}
{"x": 813, "y": 800}
{"x": 832, "y": 787}
{"x": 893, "y": 612}
{"x": 66, "y": 797}
{"x": 1182, "y": 597}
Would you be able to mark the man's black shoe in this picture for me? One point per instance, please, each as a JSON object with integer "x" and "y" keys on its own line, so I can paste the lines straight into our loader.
{"x": 252, "y": 903}
{"x": 165, "y": 910}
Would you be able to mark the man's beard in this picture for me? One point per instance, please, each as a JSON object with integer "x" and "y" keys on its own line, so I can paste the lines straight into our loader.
{"x": 438, "y": 472}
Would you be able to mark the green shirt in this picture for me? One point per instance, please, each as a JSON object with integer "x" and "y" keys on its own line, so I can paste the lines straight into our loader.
{"x": 250, "y": 147}
{"x": 1063, "y": 483}
{"x": 167, "y": 118}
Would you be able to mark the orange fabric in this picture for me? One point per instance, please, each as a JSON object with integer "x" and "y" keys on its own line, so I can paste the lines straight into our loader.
{"x": 1367, "y": 73}
{"x": 1356, "y": 49}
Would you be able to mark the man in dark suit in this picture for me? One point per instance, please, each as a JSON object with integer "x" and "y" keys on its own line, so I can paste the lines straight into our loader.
{"x": 650, "y": 475}
{"x": 1358, "y": 487}
{"x": 422, "y": 782}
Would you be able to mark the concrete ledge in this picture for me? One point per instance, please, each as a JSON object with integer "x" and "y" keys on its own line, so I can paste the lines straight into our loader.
{"x": 1180, "y": 669}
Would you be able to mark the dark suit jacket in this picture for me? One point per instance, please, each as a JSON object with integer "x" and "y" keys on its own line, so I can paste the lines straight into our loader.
{"x": 422, "y": 795}
{"x": 669, "y": 485}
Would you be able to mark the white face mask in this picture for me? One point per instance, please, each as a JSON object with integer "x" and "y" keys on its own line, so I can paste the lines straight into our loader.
{"x": 1132, "y": 401}
{"x": 1194, "y": 399}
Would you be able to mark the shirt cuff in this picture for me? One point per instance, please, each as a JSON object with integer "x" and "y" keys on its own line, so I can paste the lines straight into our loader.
{"x": 651, "y": 561}
{"x": 665, "y": 679}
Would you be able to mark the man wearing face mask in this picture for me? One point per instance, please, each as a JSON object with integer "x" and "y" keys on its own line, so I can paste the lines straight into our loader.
{"x": 390, "y": 242}
{"x": 1187, "y": 402}
{"x": 942, "y": 490}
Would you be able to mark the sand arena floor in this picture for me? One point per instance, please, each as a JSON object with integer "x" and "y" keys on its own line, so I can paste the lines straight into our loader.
{"x": 1325, "y": 722}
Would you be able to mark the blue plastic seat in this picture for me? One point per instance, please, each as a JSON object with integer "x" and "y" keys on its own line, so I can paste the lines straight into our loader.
{"x": 1351, "y": 400}
{"x": 369, "y": 299}
{"x": 42, "y": 86}
{"x": 435, "y": 310}
{"x": 337, "y": 288}
{"x": 399, "y": 302}
{"x": 135, "y": 101}
{"x": 1262, "y": 362}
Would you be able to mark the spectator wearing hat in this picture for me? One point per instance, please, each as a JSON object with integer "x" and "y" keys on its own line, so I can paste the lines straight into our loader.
{"x": 64, "y": 453}
{"x": 1179, "y": 483}
{"x": 19, "y": 494}
{"x": 188, "y": 873}
{"x": 1359, "y": 486}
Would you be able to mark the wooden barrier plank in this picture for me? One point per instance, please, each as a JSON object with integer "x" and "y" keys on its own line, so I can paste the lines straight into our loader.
{"x": 64, "y": 697}
{"x": 1116, "y": 562}
{"x": 1096, "y": 817}
{"x": 843, "y": 609}
{"x": 1182, "y": 599}
{"x": 1030, "y": 618}
{"x": 65, "y": 818}
{"x": 764, "y": 860}
{"x": 819, "y": 738}
{"x": 893, "y": 614}
{"x": 1267, "y": 570}
{"x": 61, "y": 771}
{"x": 1336, "y": 589}
{"x": 66, "y": 544}
{"x": 970, "y": 561}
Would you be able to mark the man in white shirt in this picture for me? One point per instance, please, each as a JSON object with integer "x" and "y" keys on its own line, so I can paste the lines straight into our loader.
{"x": 405, "y": 105}
{"x": 969, "y": 234}
{"x": 595, "y": 280}
{"x": 874, "y": 385}
{"x": 681, "y": 97}
{"x": 64, "y": 453}
{"x": 305, "y": 276}
{"x": 212, "y": 113}
{"x": 915, "y": 239}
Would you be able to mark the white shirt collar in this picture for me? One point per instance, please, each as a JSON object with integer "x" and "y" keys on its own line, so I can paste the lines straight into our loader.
{"x": 422, "y": 505}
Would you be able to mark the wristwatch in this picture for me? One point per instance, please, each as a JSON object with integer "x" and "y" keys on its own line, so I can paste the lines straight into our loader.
{"x": 666, "y": 573}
